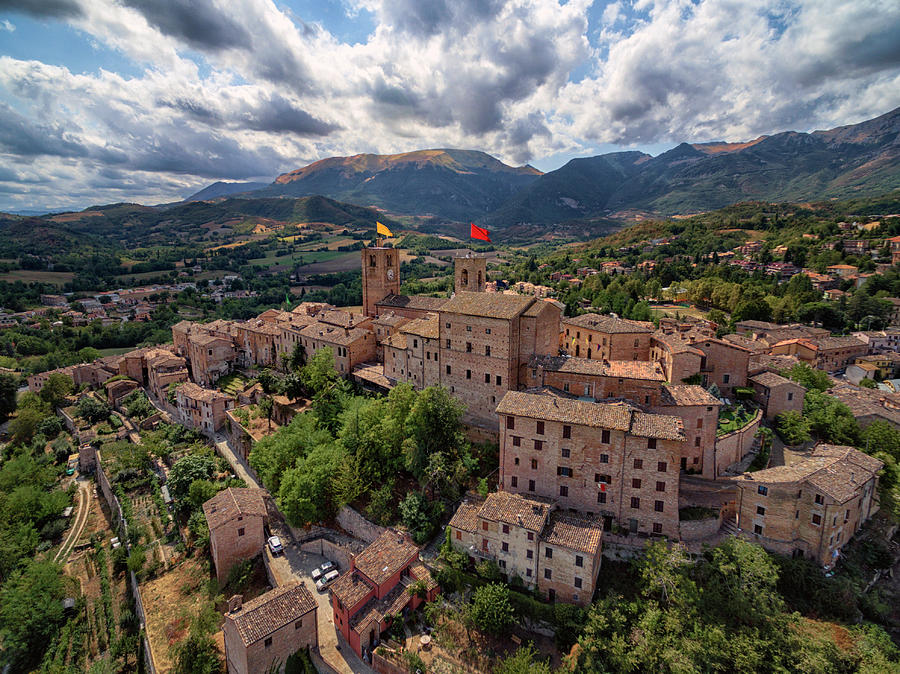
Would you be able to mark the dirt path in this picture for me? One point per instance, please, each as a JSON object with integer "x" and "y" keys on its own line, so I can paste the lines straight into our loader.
{"x": 80, "y": 520}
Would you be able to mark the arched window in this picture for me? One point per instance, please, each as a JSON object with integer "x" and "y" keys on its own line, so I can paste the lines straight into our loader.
{"x": 479, "y": 279}
{"x": 465, "y": 277}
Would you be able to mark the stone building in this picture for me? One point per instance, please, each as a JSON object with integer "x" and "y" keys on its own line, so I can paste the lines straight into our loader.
{"x": 609, "y": 459}
{"x": 831, "y": 354}
{"x": 559, "y": 553}
{"x": 375, "y": 589}
{"x": 256, "y": 343}
{"x": 412, "y": 353}
{"x": 699, "y": 412}
{"x": 594, "y": 336}
{"x": 202, "y": 408}
{"x": 163, "y": 369}
{"x": 812, "y": 508}
{"x": 380, "y": 276}
{"x": 717, "y": 361}
{"x": 236, "y": 518}
{"x": 411, "y": 306}
{"x": 263, "y": 633}
{"x": 777, "y": 394}
{"x": 386, "y": 324}
{"x": 470, "y": 274}
{"x": 637, "y": 380}
{"x": 350, "y": 346}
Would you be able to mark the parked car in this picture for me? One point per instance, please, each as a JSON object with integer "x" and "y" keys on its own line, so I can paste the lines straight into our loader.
{"x": 320, "y": 571}
{"x": 275, "y": 545}
{"x": 327, "y": 580}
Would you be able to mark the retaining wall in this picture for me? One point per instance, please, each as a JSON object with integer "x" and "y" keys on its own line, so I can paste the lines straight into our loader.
{"x": 333, "y": 551}
{"x": 693, "y": 530}
{"x": 731, "y": 447}
{"x": 357, "y": 525}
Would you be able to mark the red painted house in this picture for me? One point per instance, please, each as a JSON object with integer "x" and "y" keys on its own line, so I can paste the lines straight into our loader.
{"x": 374, "y": 589}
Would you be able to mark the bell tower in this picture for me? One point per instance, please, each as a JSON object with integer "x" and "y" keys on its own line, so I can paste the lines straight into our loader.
{"x": 380, "y": 276}
{"x": 470, "y": 274}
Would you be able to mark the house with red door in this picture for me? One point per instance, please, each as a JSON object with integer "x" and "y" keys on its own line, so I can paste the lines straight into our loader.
{"x": 377, "y": 587}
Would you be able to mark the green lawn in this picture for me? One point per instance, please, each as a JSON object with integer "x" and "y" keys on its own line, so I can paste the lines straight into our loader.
{"x": 732, "y": 420}
{"x": 116, "y": 351}
{"x": 232, "y": 383}
{"x": 298, "y": 257}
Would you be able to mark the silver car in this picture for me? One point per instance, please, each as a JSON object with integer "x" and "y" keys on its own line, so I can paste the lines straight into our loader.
{"x": 275, "y": 545}
{"x": 320, "y": 571}
{"x": 327, "y": 580}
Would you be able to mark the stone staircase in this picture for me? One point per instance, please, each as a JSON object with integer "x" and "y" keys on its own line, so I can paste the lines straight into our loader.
{"x": 729, "y": 526}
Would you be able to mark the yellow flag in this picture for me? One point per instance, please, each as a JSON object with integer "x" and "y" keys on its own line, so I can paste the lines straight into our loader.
{"x": 381, "y": 229}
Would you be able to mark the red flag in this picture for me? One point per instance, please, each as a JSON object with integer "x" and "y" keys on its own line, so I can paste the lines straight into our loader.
{"x": 479, "y": 233}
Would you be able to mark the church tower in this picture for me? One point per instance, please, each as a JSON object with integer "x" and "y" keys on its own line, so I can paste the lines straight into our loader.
{"x": 380, "y": 276}
{"x": 471, "y": 274}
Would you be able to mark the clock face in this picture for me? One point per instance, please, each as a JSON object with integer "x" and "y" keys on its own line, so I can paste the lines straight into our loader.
{"x": 390, "y": 274}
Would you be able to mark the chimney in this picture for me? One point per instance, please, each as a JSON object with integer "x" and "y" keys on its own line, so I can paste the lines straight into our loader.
{"x": 235, "y": 603}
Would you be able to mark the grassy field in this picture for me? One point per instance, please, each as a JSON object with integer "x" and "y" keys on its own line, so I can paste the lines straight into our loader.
{"x": 669, "y": 311}
{"x": 232, "y": 383}
{"x": 334, "y": 262}
{"x": 115, "y": 351}
{"x": 307, "y": 258}
{"x": 58, "y": 278}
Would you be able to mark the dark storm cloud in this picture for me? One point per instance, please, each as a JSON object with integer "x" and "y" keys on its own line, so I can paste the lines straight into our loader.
{"x": 418, "y": 17}
{"x": 43, "y": 8}
{"x": 279, "y": 115}
{"x": 194, "y": 109}
{"x": 197, "y": 22}
{"x": 21, "y": 137}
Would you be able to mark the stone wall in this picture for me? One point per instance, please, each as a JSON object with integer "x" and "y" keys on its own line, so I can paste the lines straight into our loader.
{"x": 384, "y": 666}
{"x": 331, "y": 551}
{"x": 357, "y": 525}
{"x": 694, "y": 530}
{"x": 730, "y": 448}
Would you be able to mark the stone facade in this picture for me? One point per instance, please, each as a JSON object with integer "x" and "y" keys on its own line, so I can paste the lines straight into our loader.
{"x": 470, "y": 274}
{"x": 263, "y": 633}
{"x": 380, "y": 276}
{"x": 201, "y": 408}
{"x": 236, "y": 519}
{"x": 610, "y": 460}
{"x": 777, "y": 394}
{"x": 639, "y": 381}
{"x": 593, "y": 336}
{"x": 699, "y": 412}
{"x": 811, "y": 508}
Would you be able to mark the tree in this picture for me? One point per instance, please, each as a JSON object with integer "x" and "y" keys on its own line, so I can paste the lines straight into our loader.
{"x": 197, "y": 655}
{"x": 57, "y": 387}
{"x": 268, "y": 381}
{"x": 266, "y": 406}
{"x": 305, "y": 492}
{"x": 23, "y": 426}
{"x": 185, "y": 471}
{"x": 416, "y": 516}
{"x": 9, "y": 386}
{"x": 831, "y": 419}
{"x": 30, "y": 613}
{"x": 434, "y": 425}
{"x": 524, "y": 661}
{"x": 793, "y": 427}
{"x": 92, "y": 410}
{"x": 809, "y": 378}
{"x": 491, "y": 609}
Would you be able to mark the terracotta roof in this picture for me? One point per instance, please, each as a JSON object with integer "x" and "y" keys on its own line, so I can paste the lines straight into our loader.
{"x": 754, "y": 345}
{"x": 421, "y": 572}
{"x": 674, "y": 344}
{"x": 688, "y": 395}
{"x": 340, "y": 318}
{"x": 390, "y": 319}
{"x": 615, "y": 416}
{"x": 490, "y": 305}
{"x": 626, "y": 369}
{"x": 575, "y": 533}
{"x": 515, "y": 509}
{"x": 386, "y": 555}
{"x": 271, "y": 611}
{"x": 607, "y": 324}
{"x": 835, "y": 470}
{"x": 194, "y": 392}
{"x": 378, "y": 609}
{"x": 334, "y": 335}
{"x": 420, "y": 302}
{"x": 771, "y": 380}
{"x": 427, "y": 327}
{"x": 847, "y": 342}
{"x": 539, "y": 306}
{"x": 232, "y": 502}
{"x": 466, "y": 517}
{"x": 350, "y": 589}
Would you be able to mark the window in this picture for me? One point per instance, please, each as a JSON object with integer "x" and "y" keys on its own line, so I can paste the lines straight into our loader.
{"x": 241, "y": 531}
{"x": 635, "y": 483}
{"x": 511, "y": 423}
{"x": 487, "y": 331}
{"x": 448, "y": 369}
{"x": 660, "y": 486}
{"x": 468, "y": 328}
{"x": 563, "y": 490}
{"x": 578, "y": 582}
{"x": 468, "y": 374}
{"x": 604, "y": 438}
{"x": 487, "y": 377}
{"x": 760, "y": 510}
{"x": 298, "y": 624}
{"x": 657, "y": 528}
{"x": 534, "y": 464}
{"x": 699, "y": 423}
{"x": 513, "y": 481}
{"x": 635, "y": 502}
{"x": 484, "y": 544}
{"x": 504, "y": 546}
{"x": 484, "y": 525}
{"x": 697, "y": 441}
{"x": 604, "y": 458}
{"x": 548, "y": 553}
{"x": 459, "y": 535}
{"x": 548, "y": 574}
{"x": 530, "y": 485}
{"x": 638, "y": 464}
{"x": 540, "y": 427}
{"x": 517, "y": 441}
{"x": 762, "y": 491}
{"x": 468, "y": 347}
{"x": 499, "y": 380}
{"x": 564, "y": 471}
{"x": 658, "y": 506}
{"x": 529, "y": 554}
{"x": 790, "y": 396}
{"x": 726, "y": 378}
{"x": 566, "y": 453}
{"x": 757, "y": 529}
{"x": 579, "y": 560}
{"x": 551, "y": 595}
{"x": 528, "y": 573}
{"x": 601, "y": 497}
{"x": 817, "y": 520}
{"x": 651, "y": 443}
{"x": 268, "y": 642}
{"x": 501, "y": 563}
{"x": 487, "y": 351}
{"x": 819, "y": 500}
{"x": 539, "y": 445}
{"x": 505, "y": 528}
{"x": 530, "y": 536}
{"x": 447, "y": 343}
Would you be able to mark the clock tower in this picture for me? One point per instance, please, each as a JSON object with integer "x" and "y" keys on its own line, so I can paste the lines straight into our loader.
{"x": 380, "y": 276}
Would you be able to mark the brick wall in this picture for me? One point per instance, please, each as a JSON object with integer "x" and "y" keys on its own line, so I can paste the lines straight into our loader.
{"x": 732, "y": 447}
{"x": 228, "y": 546}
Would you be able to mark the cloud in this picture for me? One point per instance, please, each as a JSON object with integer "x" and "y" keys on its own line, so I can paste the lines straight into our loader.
{"x": 199, "y": 23}
{"x": 7, "y": 26}
{"x": 43, "y": 8}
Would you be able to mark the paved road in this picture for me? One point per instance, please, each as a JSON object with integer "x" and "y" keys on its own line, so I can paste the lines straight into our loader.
{"x": 241, "y": 469}
{"x": 84, "y": 508}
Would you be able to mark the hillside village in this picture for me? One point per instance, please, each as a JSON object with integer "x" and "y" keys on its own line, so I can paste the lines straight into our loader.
{"x": 611, "y": 433}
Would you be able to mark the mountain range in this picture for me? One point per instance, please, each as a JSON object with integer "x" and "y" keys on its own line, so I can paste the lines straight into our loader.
{"x": 460, "y": 185}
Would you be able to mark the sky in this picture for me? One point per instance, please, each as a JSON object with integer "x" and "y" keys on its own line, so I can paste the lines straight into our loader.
{"x": 104, "y": 101}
